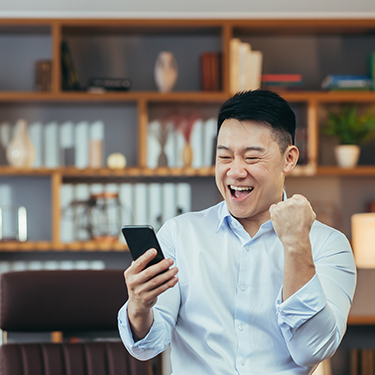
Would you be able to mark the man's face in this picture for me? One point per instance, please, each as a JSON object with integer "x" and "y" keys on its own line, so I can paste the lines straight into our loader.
{"x": 249, "y": 169}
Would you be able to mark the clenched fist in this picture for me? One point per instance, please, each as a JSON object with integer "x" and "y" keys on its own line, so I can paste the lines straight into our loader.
{"x": 292, "y": 219}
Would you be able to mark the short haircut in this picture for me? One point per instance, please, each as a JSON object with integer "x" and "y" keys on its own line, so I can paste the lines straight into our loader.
{"x": 265, "y": 107}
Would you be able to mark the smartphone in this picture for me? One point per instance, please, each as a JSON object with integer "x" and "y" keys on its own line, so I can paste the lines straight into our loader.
{"x": 141, "y": 238}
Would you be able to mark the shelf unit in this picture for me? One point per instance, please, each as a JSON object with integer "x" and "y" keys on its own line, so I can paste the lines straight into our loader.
{"x": 217, "y": 32}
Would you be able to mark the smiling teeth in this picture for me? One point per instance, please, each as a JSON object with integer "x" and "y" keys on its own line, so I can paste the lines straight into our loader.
{"x": 239, "y": 188}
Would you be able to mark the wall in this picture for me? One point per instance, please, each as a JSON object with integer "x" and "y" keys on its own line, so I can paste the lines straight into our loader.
{"x": 192, "y": 8}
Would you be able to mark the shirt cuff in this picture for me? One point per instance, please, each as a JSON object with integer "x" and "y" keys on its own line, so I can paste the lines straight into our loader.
{"x": 299, "y": 307}
{"x": 141, "y": 348}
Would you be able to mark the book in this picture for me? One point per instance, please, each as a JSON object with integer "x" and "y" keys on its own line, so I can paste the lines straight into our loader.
{"x": 183, "y": 198}
{"x": 67, "y": 147}
{"x": 210, "y": 71}
{"x": 282, "y": 78}
{"x": 127, "y": 204}
{"x": 255, "y": 62}
{"x": 140, "y": 204}
{"x": 70, "y": 79}
{"x": 196, "y": 142}
{"x": 234, "y": 64}
{"x": 347, "y": 82}
{"x": 110, "y": 84}
{"x": 51, "y": 145}
{"x": 168, "y": 201}
{"x": 36, "y": 136}
{"x": 96, "y": 144}
{"x": 155, "y": 217}
{"x": 82, "y": 144}
{"x": 209, "y": 139}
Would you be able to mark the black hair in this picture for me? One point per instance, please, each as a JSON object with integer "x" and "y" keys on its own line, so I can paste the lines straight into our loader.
{"x": 263, "y": 106}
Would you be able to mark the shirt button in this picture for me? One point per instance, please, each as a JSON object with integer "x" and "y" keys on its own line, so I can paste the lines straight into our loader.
{"x": 243, "y": 287}
{"x": 241, "y": 327}
{"x": 243, "y": 362}
{"x": 247, "y": 248}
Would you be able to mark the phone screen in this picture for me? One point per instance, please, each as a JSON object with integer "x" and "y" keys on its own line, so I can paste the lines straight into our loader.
{"x": 141, "y": 238}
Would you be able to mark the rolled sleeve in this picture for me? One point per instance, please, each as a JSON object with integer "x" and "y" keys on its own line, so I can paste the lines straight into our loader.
{"x": 300, "y": 307}
{"x": 148, "y": 347}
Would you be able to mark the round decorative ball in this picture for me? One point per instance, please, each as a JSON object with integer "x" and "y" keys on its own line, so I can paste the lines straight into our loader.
{"x": 116, "y": 161}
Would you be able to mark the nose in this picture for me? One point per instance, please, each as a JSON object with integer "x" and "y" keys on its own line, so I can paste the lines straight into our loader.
{"x": 237, "y": 170}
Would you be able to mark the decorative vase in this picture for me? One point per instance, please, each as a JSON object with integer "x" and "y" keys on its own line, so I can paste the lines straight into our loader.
{"x": 21, "y": 152}
{"x": 187, "y": 155}
{"x": 347, "y": 155}
{"x": 165, "y": 71}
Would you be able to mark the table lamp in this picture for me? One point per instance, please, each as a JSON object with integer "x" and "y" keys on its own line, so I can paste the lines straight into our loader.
{"x": 363, "y": 239}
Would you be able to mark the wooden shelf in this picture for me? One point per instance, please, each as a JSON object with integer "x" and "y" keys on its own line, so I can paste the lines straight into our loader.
{"x": 106, "y": 172}
{"x": 43, "y": 246}
{"x": 128, "y": 96}
{"x": 179, "y": 96}
{"x": 361, "y": 320}
{"x": 361, "y": 170}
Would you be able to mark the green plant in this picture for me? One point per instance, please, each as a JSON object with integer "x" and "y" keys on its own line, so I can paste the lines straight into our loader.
{"x": 349, "y": 126}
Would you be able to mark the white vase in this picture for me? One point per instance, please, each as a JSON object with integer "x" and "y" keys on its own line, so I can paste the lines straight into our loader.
{"x": 20, "y": 151}
{"x": 166, "y": 71}
{"x": 347, "y": 155}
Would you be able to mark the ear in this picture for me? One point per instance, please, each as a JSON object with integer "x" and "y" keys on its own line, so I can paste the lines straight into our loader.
{"x": 291, "y": 156}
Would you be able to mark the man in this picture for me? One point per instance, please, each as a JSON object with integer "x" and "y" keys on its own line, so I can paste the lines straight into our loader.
{"x": 262, "y": 287}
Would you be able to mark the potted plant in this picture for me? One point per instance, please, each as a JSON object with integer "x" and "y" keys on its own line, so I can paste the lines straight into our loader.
{"x": 352, "y": 129}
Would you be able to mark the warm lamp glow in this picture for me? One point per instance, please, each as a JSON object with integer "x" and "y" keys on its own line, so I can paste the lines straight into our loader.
{"x": 363, "y": 239}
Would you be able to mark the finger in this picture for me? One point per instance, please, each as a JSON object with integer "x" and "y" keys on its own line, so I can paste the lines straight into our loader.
{"x": 147, "y": 286}
{"x": 154, "y": 293}
{"x": 143, "y": 260}
{"x": 155, "y": 269}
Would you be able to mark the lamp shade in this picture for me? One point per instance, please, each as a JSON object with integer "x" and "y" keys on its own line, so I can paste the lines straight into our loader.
{"x": 363, "y": 239}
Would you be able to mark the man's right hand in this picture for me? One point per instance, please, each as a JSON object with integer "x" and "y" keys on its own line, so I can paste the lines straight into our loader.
{"x": 144, "y": 286}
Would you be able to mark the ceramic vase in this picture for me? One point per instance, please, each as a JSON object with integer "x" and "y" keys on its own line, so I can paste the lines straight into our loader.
{"x": 347, "y": 155}
{"x": 20, "y": 151}
{"x": 165, "y": 71}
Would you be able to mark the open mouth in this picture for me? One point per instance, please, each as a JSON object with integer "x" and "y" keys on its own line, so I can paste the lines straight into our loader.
{"x": 240, "y": 191}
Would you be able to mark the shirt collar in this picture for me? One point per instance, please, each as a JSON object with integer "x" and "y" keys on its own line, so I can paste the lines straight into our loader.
{"x": 224, "y": 215}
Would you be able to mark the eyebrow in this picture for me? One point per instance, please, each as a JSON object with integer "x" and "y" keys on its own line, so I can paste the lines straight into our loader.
{"x": 250, "y": 148}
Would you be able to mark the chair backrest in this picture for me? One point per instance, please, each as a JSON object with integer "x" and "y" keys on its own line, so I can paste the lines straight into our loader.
{"x": 43, "y": 301}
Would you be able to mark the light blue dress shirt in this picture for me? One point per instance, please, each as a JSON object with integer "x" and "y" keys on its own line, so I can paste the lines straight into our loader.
{"x": 226, "y": 316}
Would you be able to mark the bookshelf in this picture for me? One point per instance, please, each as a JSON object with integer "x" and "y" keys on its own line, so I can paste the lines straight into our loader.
{"x": 129, "y": 48}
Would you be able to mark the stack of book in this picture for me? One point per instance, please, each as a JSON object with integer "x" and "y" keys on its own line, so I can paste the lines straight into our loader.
{"x": 282, "y": 82}
{"x": 245, "y": 66}
{"x": 347, "y": 82}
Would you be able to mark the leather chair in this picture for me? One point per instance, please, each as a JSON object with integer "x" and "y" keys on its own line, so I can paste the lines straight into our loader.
{"x": 66, "y": 301}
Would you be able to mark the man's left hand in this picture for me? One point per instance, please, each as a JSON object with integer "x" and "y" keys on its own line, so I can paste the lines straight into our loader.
{"x": 292, "y": 219}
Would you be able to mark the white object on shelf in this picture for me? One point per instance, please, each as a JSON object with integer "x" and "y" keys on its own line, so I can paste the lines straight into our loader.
{"x": 82, "y": 144}
{"x": 127, "y": 204}
{"x": 140, "y": 204}
{"x": 51, "y": 265}
{"x": 155, "y": 206}
{"x": 67, "y": 144}
{"x": 97, "y": 265}
{"x": 196, "y": 142}
{"x": 209, "y": 136}
{"x": 166, "y": 71}
{"x": 51, "y": 145}
{"x": 66, "y": 265}
{"x": 183, "y": 198}
{"x": 153, "y": 145}
{"x": 36, "y": 136}
{"x": 169, "y": 201}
